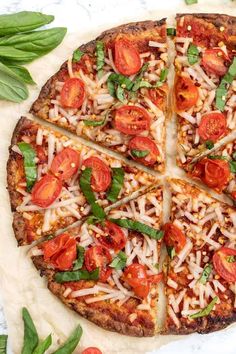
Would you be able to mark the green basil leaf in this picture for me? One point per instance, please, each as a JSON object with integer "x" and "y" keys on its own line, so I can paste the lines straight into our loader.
{"x": 22, "y": 73}
{"x": 91, "y": 220}
{"x": 120, "y": 94}
{"x": 43, "y": 346}
{"x": 81, "y": 274}
{"x": 78, "y": 263}
{"x": 116, "y": 185}
{"x": 121, "y": 80}
{"x": 119, "y": 262}
{"x": 85, "y": 185}
{"x": 29, "y": 164}
{"x": 234, "y": 155}
{"x": 205, "y": 274}
{"x": 77, "y": 55}
{"x": 71, "y": 343}
{"x": 221, "y": 91}
{"x": 3, "y": 344}
{"x": 138, "y": 81}
{"x": 190, "y": 2}
{"x": 16, "y": 54}
{"x": 31, "y": 338}
{"x": 231, "y": 259}
{"x": 11, "y": 88}
{"x": 232, "y": 165}
{"x": 139, "y": 153}
{"x": 98, "y": 211}
{"x": 217, "y": 157}
{"x": 94, "y": 123}
{"x": 206, "y": 311}
{"x": 193, "y": 54}
{"x": 111, "y": 88}
{"x": 100, "y": 57}
{"x": 171, "y": 31}
{"x": 163, "y": 75}
{"x": 209, "y": 144}
{"x": 171, "y": 251}
{"x": 139, "y": 227}
{"x": 23, "y": 21}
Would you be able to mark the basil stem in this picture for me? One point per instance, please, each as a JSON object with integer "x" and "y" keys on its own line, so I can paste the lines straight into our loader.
{"x": 71, "y": 343}
{"x": 81, "y": 274}
{"x": 170, "y": 251}
{"x": 119, "y": 262}
{"x": 31, "y": 338}
{"x": 221, "y": 91}
{"x": 43, "y": 346}
{"x": 29, "y": 164}
{"x": 78, "y": 264}
{"x": 3, "y": 344}
{"x": 22, "y": 73}
{"x": 116, "y": 185}
{"x": 139, "y": 153}
{"x": 193, "y": 54}
{"x": 140, "y": 227}
{"x": 11, "y": 88}
{"x": 171, "y": 32}
{"x": 206, "y": 311}
{"x": 205, "y": 274}
{"x": 100, "y": 57}
{"x": 77, "y": 55}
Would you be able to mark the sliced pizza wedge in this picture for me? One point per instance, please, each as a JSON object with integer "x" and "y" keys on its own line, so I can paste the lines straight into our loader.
{"x": 205, "y": 83}
{"x": 108, "y": 271}
{"x": 54, "y": 181}
{"x": 201, "y": 275}
{"x": 113, "y": 91}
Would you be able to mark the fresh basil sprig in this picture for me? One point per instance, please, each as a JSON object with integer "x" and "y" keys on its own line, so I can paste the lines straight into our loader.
{"x": 31, "y": 338}
{"x": 119, "y": 262}
{"x": 80, "y": 274}
{"x": 78, "y": 264}
{"x": 71, "y": 343}
{"x": 11, "y": 88}
{"x": 193, "y": 54}
{"x": 117, "y": 184}
{"x": 29, "y": 164}
{"x": 221, "y": 91}
{"x": 44, "y": 345}
{"x": 207, "y": 310}
{"x": 3, "y": 344}
{"x": 100, "y": 57}
{"x": 205, "y": 274}
{"x": 139, "y": 153}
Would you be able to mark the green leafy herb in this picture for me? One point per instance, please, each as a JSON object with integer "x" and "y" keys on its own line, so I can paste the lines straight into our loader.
{"x": 205, "y": 274}
{"x": 100, "y": 57}
{"x": 94, "y": 123}
{"x": 29, "y": 164}
{"x": 78, "y": 264}
{"x": 91, "y": 220}
{"x": 170, "y": 251}
{"x": 139, "y": 153}
{"x": 98, "y": 211}
{"x": 231, "y": 259}
{"x": 16, "y": 54}
{"x": 116, "y": 185}
{"x": 22, "y": 73}
{"x": 31, "y": 338}
{"x": 71, "y": 343}
{"x": 11, "y": 88}
{"x": 111, "y": 88}
{"x": 191, "y": 2}
{"x": 77, "y": 55}
{"x": 3, "y": 344}
{"x": 116, "y": 83}
{"x": 222, "y": 90}
{"x": 163, "y": 74}
{"x": 140, "y": 227}
{"x": 217, "y": 157}
{"x": 193, "y": 54}
{"x": 120, "y": 94}
{"x": 171, "y": 32}
{"x": 43, "y": 346}
{"x": 138, "y": 81}
{"x": 232, "y": 165}
{"x": 234, "y": 155}
{"x": 81, "y": 274}
{"x": 119, "y": 262}
{"x": 206, "y": 311}
{"x": 209, "y": 144}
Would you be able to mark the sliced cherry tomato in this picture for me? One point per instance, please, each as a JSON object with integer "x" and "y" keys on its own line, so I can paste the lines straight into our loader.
{"x": 91, "y": 350}
{"x": 233, "y": 195}
{"x": 60, "y": 251}
{"x": 73, "y": 93}
{"x": 224, "y": 261}
{"x": 41, "y": 155}
{"x": 158, "y": 96}
{"x": 132, "y": 120}
{"x": 174, "y": 237}
{"x": 65, "y": 163}
{"x": 114, "y": 236}
{"x": 127, "y": 59}
{"x": 101, "y": 175}
{"x": 98, "y": 257}
{"x": 46, "y": 190}
{"x": 143, "y": 289}
{"x": 214, "y": 173}
{"x": 186, "y": 93}
{"x": 136, "y": 276}
{"x": 143, "y": 143}
{"x": 156, "y": 278}
{"x": 213, "y": 126}
{"x": 213, "y": 61}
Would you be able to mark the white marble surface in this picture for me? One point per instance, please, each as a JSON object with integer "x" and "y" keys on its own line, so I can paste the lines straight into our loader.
{"x": 93, "y": 15}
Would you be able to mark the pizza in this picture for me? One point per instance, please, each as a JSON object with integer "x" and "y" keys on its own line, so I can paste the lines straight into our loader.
{"x": 54, "y": 181}
{"x": 110, "y": 273}
{"x": 113, "y": 91}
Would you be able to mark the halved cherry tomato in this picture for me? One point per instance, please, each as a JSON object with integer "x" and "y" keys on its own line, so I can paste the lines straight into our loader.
{"x": 224, "y": 261}
{"x": 114, "y": 236}
{"x": 132, "y": 120}
{"x": 213, "y": 61}
{"x": 101, "y": 175}
{"x": 60, "y": 251}
{"x": 136, "y": 276}
{"x": 73, "y": 93}
{"x": 143, "y": 289}
{"x": 174, "y": 237}
{"x": 41, "y": 155}
{"x": 186, "y": 93}
{"x": 98, "y": 257}
{"x": 158, "y": 96}
{"x": 91, "y": 350}
{"x": 212, "y": 126}
{"x": 156, "y": 278}
{"x": 46, "y": 190}
{"x": 233, "y": 195}
{"x": 65, "y": 163}
{"x": 143, "y": 143}
{"x": 127, "y": 59}
{"x": 214, "y": 173}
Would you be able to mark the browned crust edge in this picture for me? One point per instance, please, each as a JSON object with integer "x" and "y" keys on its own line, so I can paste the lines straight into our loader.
{"x": 214, "y": 18}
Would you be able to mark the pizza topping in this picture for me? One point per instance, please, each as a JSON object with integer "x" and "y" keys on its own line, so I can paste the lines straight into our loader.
{"x": 65, "y": 164}
{"x": 193, "y": 54}
{"x": 158, "y": 96}
{"x": 73, "y": 93}
{"x": 113, "y": 237}
{"x": 46, "y": 191}
{"x": 222, "y": 90}
{"x": 98, "y": 257}
{"x": 78, "y": 263}
{"x": 205, "y": 274}
{"x": 186, "y": 93}
{"x": 213, "y": 126}
{"x": 30, "y": 168}
{"x": 116, "y": 184}
{"x": 100, "y": 57}
{"x": 136, "y": 276}
{"x": 213, "y": 61}
{"x": 171, "y": 32}
{"x": 207, "y": 310}
{"x": 94, "y": 123}
{"x": 174, "y": 237}
{"x": 81, "y": 274}
{"x": 119, "y": 262}
{"x": 191, "y": 2}
{"x": 127, "y": 59}
{"x": 225, "y": 264}
{"x": 132, "y": 120}
{"x": 77, "y": 55}
{"x": 144, "y": 150}
{"x": 91, "y": 350}
{"x": 209, "y": 144}
{"x": 101, "y": 176}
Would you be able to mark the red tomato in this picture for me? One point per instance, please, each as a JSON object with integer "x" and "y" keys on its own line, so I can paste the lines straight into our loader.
{"x": 73, "y": 93}
{"x": 132, "y": 120}
{"x": 158, "y": 96}
{"x": 174, "y": 237}
{"x": 142, "y": 290}
{"x": 91, "y": 350}
{"x": 127, "y": 59}
{"x": 101, "y": 175}
{"x": 136, "y": 276}
{"x": 143, "y": 143}
{"x": 115, "y": 237}
{"x": 156, "y": 278}
{"x": 98, "y": 257}
{"x": 224, "y": 261}
{"x": 60, "y": 251}
{"x": 233, "y": 195}
{"x": 213, "y": 61}
{"x": 186, "y": 93}
{"x": 65, "y": 163}
{"x": 212, "y": 126}
{"x": 41, "y": 155}
{"x": 46, "y": 190}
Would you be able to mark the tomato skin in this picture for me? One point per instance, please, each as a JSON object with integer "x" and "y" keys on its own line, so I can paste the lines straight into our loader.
{"x": 46, "y": 190}
{"x": 224, "y": 268}
{"x": 213, "y": 61}
{"x": 91, "y": 350}
{"x": 101, "y": 175}
{"x": 142, "y": 290}
{"x": 132, "y": 120}
{"x": 156, "y": 278}
{"x": 186, "y": 93}
{"x": 213, "y": 126}
{"x": 98, "y": 257}
{"x": 115, "y": 238}
{"x": 233, "y": 195}
{"x": 158, "y": 96}
{"x": 73, "y": 93}
{"x": 174, "y": 237}
{"x": 144, "y": 143}
{"x": 65, "y": 164}
{"x": 127, "y": 59}
{"x": 136, "y": 276}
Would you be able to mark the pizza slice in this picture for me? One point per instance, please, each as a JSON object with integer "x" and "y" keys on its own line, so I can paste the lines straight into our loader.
{"x": 205, "y": 83}
{"x": 54, "y": 181}
{"x": 113, "y": 91}
{"x": 201, "y": 275}
{"x": 108, "y": 271}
